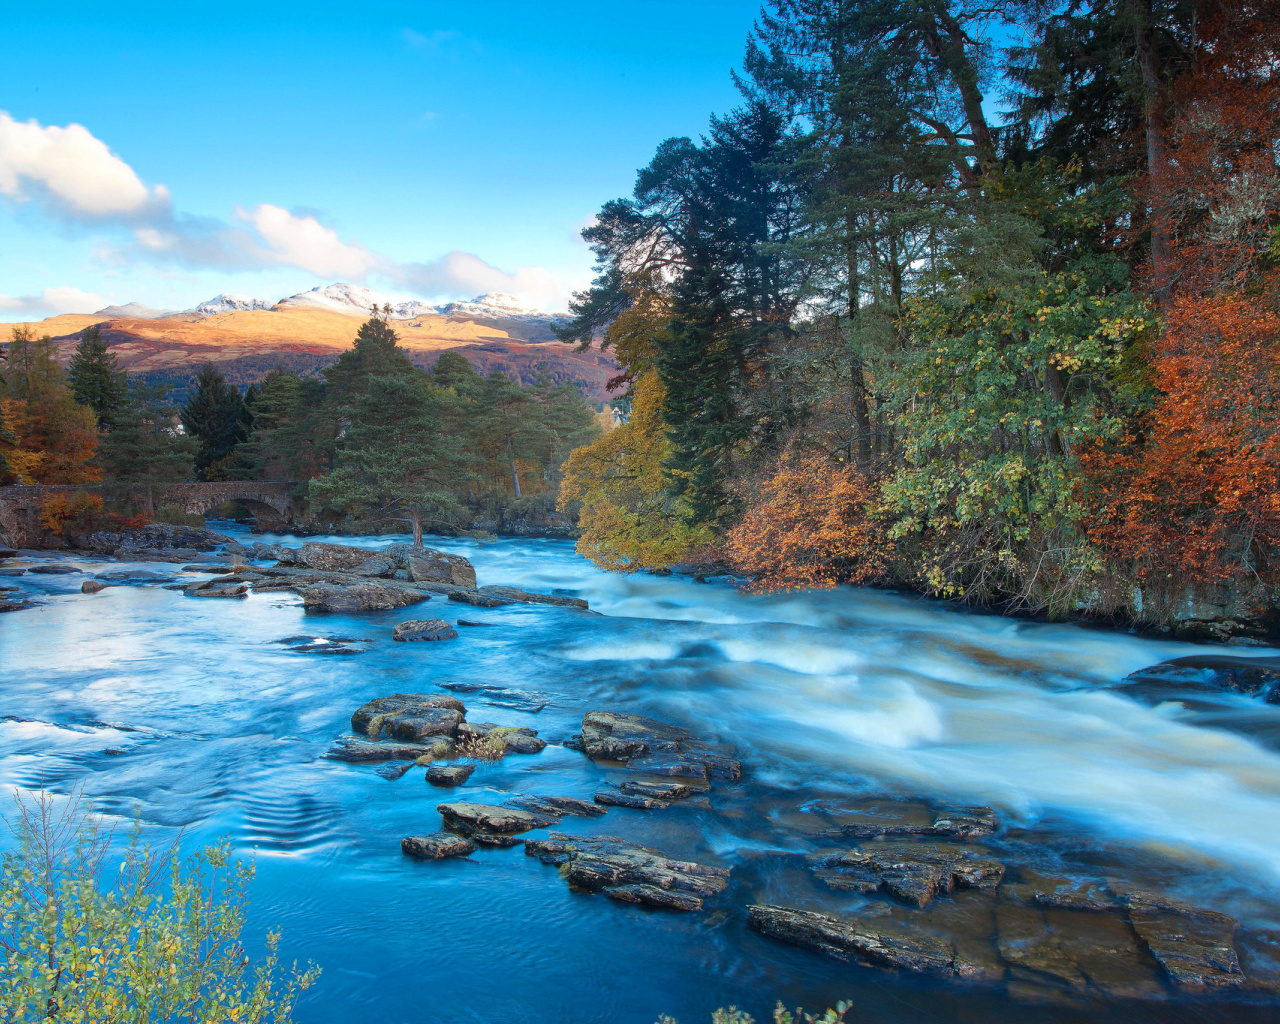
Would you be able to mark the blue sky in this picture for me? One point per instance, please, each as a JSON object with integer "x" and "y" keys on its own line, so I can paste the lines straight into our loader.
{"x": 429, "y": 149}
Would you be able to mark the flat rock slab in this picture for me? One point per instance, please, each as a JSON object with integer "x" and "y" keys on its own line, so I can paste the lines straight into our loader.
{"x": 862, "y": 940}
{"x": 913, "y": 871}
{"x": 449, "y": 774}
{"x": 55, "y": 570}
{"x": 478, "y": 600}
{"x": 437, "y": 846}
{"x": 652, "y": 896}
{"x": 1195, "y": 947}
{"x": 216, "y": 589}
{"x": 658, "y": 790}
{"x": 409, "y": 716}
{"x": 359, "y": 751}
{"x": 468, "y": 817}
{"x": 358, "y": 597}
{"x": 556, "y": 805}
{"x": 615, "y": 798}
{"x": 954, "y": 823}
{"x": 424, "y": 629}
{"x": 491, "y": 839}
{"x": 605, "y": 863}
{"x": 14, "y": 606}
{"x": 524, "y": 597}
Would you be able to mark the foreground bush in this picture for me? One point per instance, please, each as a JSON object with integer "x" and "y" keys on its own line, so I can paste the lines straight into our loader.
{"x": 86, "y": 938}
{"x": 781, "y": 1015}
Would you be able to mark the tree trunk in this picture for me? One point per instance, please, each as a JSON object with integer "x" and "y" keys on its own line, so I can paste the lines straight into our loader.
{"x": 416, "y": 513}
{"x": 1153, "y": 110}
{"x": 515, "y": 477}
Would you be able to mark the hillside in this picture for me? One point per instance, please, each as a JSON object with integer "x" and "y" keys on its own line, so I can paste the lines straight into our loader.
{"x": 305, "y": 337}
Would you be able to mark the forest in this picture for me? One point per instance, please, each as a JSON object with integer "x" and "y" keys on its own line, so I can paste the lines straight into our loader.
{"x": 975, "y": 298}
{"x": 374, "y": 441}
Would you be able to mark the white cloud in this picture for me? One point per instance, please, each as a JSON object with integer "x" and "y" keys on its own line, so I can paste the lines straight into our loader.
{"x": 464, "y": 274}
{"x": 73, "y": 170}
{"x": 79, "y": 176}
{"x": 52, "y": 301}
{"x": 305, "y": 243}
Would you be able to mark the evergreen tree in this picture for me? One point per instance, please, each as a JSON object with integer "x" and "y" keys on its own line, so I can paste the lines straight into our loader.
{"x": 216, "y": 416}
{"x": 392, "y": 461}
{"x": 145, "y": 452}
{"x": 95, "y": 378}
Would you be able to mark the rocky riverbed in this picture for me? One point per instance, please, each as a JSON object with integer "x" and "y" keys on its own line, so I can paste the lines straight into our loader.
{"x": 750, "y": 798}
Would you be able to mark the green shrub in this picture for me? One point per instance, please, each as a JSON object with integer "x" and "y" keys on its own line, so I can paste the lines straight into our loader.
{"x": 176, "y": 515}
{"x": 781, "y": 1015}
{"x": 86, "y": 938}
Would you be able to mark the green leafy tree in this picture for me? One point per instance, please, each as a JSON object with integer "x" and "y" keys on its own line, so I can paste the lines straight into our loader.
{"x": 95, "y": 377}
{"x": 91, "y": 934}
{"x": 216, "y": 416}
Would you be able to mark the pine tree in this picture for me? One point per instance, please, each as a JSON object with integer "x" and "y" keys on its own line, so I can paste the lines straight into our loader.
{"x": 95, "y": 377}
{"x": 144, "y": 453}
{"x": 392, "y": 461}
{"x": 215, "y": 415}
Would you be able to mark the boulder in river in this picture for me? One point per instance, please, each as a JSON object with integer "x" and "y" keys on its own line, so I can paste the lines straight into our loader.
{"x": 868, "y": 941}
{"x": 913, "y": 871}
{"x": 647, "y": 745}
{"x": 515, "y": 740}
{"x": 437, "y": 846}
{"x": 163, "y": 538}
{"x": 92, "y": 587}
{"x": 424, "y": 629}
{"x": 607, "y": 863}
{"x": 449, "y": 774}
{"x": 55, "y": 570}
{"x": 358, "y": 751}
{"x": 358, "y": 597}
{"x": 14, "y": 606}
{"x": 469, "y": 817}
{"x": 409, "y": 716}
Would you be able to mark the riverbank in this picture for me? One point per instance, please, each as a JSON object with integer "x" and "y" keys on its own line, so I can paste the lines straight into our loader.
{"x": 849, "y": 711}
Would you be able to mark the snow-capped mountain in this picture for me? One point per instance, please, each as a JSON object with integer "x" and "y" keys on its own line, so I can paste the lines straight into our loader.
{"x": 132, "y": 311}
{"x": 350, "y": 298}
{"x": 227, "y": 303}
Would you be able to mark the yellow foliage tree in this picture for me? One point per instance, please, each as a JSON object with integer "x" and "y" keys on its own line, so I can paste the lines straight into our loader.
{"x": 629, "y": 520}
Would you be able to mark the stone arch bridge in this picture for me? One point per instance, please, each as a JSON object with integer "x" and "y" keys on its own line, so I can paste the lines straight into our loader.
{"x": 20, "y": 504}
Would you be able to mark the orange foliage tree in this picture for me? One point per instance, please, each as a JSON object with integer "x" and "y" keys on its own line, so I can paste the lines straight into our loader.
{"x": 1193, "y": 498}
{"x": 1190, "y": 495}
{"x": 811, "y": 524}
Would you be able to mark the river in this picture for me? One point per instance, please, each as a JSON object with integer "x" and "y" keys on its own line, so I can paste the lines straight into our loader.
{"x": 837, "y": 702}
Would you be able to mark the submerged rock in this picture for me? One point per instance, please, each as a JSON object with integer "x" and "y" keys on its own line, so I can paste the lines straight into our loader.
{"x": 913, "y": 871}
{"x": 469, "y": 817}
{"x": 437, "y": 846}
{"x": 647, "y": 745}
{"x": 956, "y": 823}
{"x": 867, "y": 941}
{"x": 134, "y": 577}
{"x": 14, "y": 606}
{"x": 499, "y": 696}
{"x": 1253, "y": 676}
{"x": 556, "y": 805}
{"x": 611, "y": 865}
{"x": 424, "y": 629}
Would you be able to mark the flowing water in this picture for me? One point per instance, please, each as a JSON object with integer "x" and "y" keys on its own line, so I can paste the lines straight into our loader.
{"x": 842, "y": 705}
